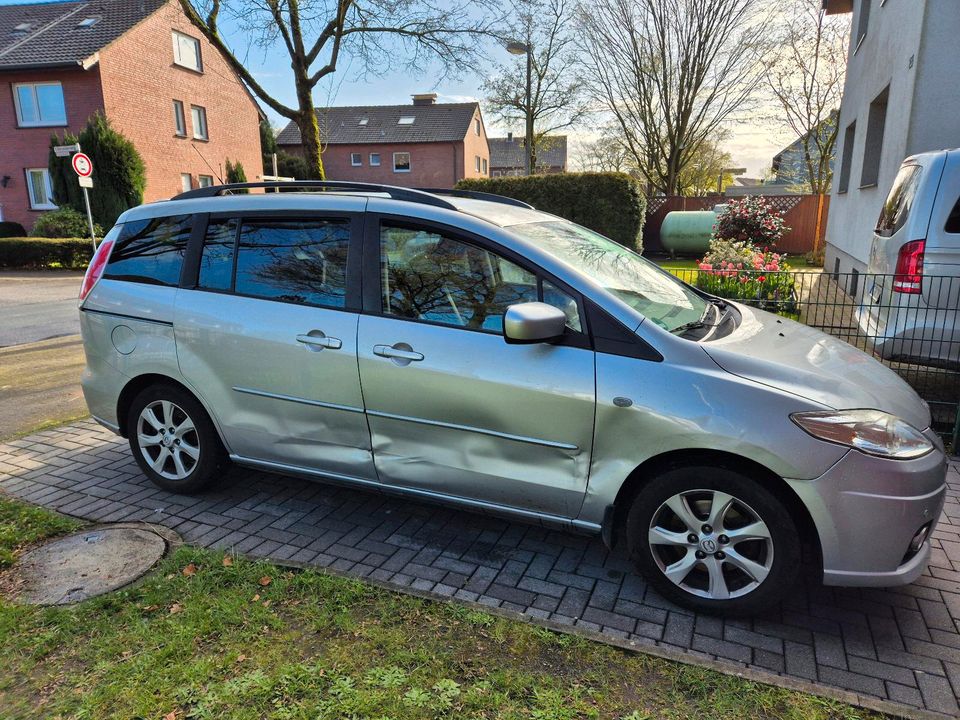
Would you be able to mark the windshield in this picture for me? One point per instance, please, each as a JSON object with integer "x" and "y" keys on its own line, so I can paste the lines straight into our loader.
{"x": 655, "y": 293}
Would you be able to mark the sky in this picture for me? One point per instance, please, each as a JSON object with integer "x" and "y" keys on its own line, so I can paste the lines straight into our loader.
{"x": 752, "y": 144}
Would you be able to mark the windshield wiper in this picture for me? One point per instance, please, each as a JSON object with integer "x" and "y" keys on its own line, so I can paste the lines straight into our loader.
{"x": 697, "y": 324}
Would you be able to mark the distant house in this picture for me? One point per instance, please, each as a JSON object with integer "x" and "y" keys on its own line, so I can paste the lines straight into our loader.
{"x": 424, "y": 144}
{"x": 143, "y": 65}
{"x": 790, "y": 165}
{"x": 508, "y": 155}
{"x": 899, "y": 99}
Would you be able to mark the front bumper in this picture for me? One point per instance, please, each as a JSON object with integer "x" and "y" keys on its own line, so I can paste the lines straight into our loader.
{"x": 867, "y": 510}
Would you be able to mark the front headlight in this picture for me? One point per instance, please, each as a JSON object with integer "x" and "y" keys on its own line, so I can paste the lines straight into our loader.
{"x": 871, "y": 431}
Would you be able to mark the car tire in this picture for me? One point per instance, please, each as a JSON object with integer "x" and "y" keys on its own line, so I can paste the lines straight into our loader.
{"x": 713, "y": 540}
{"x": 173, "y": 439}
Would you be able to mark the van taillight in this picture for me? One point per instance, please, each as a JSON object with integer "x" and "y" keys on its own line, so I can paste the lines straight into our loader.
{"x": 909, "y": 273}
{"x": 95, "y": 269}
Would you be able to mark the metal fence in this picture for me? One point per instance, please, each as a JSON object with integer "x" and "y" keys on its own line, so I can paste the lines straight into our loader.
{"x": 912, "y": 328}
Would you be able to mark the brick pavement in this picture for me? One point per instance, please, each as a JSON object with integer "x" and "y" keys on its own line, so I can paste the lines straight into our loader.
{"x": 900, "y": 645}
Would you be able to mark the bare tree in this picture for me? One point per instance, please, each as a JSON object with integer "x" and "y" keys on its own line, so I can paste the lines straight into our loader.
{"x": 670, "y": 73}
{"x": 608, "y": 153}
{"x": 318, "y": 34}
{"x": 556, "y": 99}
{"x": 700, "y": 176}
{"x": 805, "y": 74}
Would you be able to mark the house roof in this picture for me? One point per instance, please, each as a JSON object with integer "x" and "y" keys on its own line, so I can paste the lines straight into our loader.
{"x": 509, "y": 153}
{"x": 439, "y": 122}
{"x": 41, "y": 35}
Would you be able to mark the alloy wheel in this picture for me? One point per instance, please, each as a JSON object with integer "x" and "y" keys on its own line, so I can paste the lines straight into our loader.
{"x": 168, "y": 439}
{"x": 711, "y": 544}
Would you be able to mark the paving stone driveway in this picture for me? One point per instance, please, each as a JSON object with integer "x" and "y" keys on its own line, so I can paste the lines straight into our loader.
{"x": 900, "y": 644}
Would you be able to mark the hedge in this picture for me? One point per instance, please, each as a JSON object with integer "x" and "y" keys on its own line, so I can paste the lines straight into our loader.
{"x": 34, "y": 252}
{"x": 612, "y": 204}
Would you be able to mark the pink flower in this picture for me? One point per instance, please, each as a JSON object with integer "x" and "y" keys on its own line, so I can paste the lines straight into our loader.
{"x": 705, "y": 266}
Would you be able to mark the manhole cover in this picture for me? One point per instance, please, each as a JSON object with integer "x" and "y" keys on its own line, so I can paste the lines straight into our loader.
{"x": 86, "y": 564}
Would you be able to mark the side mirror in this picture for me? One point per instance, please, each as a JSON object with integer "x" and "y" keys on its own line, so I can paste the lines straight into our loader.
{"x": 533, "y": 322}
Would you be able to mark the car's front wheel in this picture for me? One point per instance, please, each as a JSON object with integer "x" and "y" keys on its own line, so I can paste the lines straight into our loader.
{"x": 173, "y": 439}
{"x": 714, "y": 540}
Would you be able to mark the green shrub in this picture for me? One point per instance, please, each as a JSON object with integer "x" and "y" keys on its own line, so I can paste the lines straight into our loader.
{"x": 612, "y": 204}
{"x": 235, "y": 172}
{"x": 293, "y": 166}
{"x": 751, "y": 219}
{"x": 119, "y": 175}
{"x": 11, "y": 229}
{"x": 63, "y": 222}
{"x": 32, "y": 253}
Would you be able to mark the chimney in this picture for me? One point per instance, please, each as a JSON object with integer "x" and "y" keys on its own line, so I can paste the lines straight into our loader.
{"x": 509, "y": 137}
{"x": 425, "y": 99}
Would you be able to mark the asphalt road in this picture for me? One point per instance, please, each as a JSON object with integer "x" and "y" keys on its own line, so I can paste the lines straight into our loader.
{"x": 37, "y": 306}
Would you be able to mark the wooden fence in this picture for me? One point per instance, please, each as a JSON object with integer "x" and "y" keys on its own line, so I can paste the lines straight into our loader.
{"x": 800, "y": 213}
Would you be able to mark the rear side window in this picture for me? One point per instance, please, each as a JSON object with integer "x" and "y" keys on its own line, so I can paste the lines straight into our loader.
{"x": 953, "y": 221}
{"x": 216, "y": 262}
{"x": 298, "y": 261}
{"x": 896, "y": 208}
{"x": 150, "y": 251}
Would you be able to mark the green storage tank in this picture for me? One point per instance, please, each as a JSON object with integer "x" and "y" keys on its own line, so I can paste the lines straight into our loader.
{"x": 687, "y": 232}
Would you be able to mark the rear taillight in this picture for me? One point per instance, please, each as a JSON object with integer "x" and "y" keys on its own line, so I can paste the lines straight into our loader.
{"x": 909, "y": 273}
{"x": 95, "y": 269}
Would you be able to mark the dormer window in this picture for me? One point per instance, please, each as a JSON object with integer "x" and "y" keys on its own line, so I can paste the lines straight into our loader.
{"x": 88, "y": 22}
{"x": 406, "y": 120}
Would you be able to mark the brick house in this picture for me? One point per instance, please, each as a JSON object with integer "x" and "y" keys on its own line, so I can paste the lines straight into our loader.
{"x": 424, "y": 144}
{"x": 146, "y": 68}
{"x": 508, "y": 156}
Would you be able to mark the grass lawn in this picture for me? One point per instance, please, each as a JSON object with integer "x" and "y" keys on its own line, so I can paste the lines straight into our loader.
{"x": 211, "y": 636}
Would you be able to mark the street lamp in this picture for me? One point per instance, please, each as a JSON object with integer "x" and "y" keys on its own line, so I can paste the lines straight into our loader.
{"x": 515, "y": 47}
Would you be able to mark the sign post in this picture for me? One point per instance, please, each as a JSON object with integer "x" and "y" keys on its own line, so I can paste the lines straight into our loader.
{"x": 84, "y": 169}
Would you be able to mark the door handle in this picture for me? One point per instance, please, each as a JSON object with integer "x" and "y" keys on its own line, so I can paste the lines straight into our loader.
{"x": 319, "y": 341}
{"x": 400, "y": 353}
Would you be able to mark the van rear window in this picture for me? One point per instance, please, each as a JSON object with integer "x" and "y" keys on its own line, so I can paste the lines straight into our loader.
{"x": 896, "y": 208}
{"x": 150, "y": 251}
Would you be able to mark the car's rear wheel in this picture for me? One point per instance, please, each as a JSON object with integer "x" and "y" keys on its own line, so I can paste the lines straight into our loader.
{"x": 713, "y": 540}
{"x": 173, "y": 439}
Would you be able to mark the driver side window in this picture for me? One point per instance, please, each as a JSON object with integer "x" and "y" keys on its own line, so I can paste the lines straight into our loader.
{"x": 426, "y": 275}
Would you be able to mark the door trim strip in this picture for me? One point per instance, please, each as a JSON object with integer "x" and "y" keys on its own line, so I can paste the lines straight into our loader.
{"x": 481, "y": 431}
{"x": 300, "y": 400}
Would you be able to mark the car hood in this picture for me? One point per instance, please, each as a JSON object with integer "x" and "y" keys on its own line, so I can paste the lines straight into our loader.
{"x": 795, "y": 358}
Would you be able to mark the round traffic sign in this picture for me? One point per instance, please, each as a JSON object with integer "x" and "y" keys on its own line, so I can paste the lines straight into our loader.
{"x": 82, "y": 165}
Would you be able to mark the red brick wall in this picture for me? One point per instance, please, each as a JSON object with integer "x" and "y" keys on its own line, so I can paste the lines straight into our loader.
{"x": 22, "y": 148}
{"x": 140, "y": 83}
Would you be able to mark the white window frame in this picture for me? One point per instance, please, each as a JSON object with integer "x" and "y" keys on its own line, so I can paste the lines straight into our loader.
{"x": 186, "y": 182}
{"x": 476, "y": 125}
{"x": 204, "y": 180}
{"x": 409, "y": 162}
{"x": 484, "y": 171}
{"x": 203, "y": 122}
{"x": 374, "y": 162}
{"x": 40, "y": 122}
{"x": 356, "y": 159}
{"x": 179, "y": 119}
{"x": 476, "y": 163}
{"x": 177, "y": 56}
{"x": 34, "y": 205}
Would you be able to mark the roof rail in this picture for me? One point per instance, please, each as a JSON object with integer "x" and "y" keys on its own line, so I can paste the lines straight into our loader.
{"x": 397, "y": 193}
{"x": 477, "y": 195}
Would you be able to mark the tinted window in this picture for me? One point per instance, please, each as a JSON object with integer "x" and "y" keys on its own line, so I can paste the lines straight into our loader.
{"x": 216, "y": 262}
{"x": 953, "y": 222}
{"x": 896, "y": 208}
{"x": 300, "y": 261}
{"x": 150, "y": 251}
{"x": 428, "y": 276}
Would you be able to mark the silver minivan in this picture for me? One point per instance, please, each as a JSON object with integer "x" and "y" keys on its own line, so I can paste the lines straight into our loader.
{"x": 468, "y": 349}
{"x": 911, "y": 306}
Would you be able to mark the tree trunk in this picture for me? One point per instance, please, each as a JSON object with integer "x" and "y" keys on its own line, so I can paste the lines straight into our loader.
{"x": 309, "y": 132}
